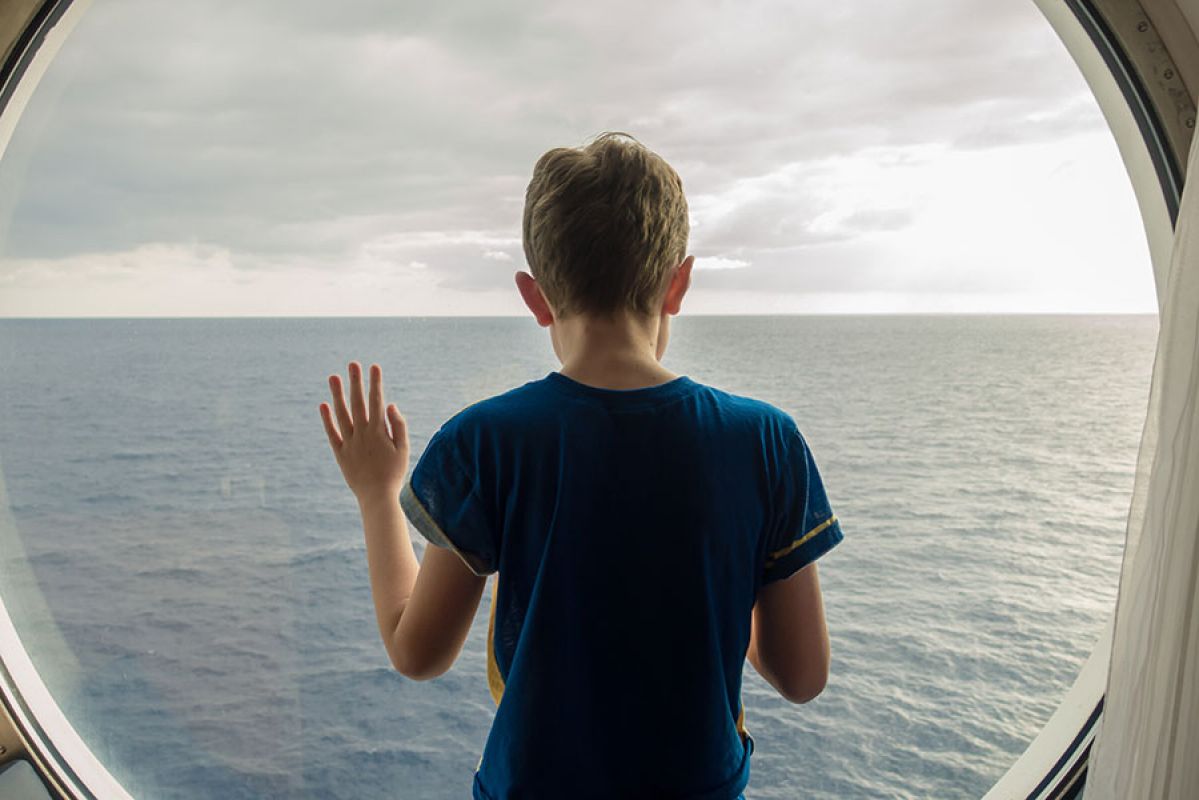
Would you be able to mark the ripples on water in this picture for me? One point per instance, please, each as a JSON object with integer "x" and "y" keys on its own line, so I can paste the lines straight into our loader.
{"x": 188, "y": 568}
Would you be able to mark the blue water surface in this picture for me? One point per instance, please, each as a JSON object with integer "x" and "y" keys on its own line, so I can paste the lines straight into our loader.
{"x": 186, "y": 566}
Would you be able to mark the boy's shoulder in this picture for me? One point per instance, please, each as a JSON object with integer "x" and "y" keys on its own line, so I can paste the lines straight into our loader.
{"x": 751, "y": 405}
{"x": 515, "y": 407}
{"x": 752, "y": 412}
{"x": 512, "y": 402}
{"x": 542, "y": 401}
{"x": 546, "y": 391}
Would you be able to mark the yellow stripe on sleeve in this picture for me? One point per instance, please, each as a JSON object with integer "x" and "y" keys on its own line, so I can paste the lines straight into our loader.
{"x": 777, "y": 554}
{"x": 495, "y": 681}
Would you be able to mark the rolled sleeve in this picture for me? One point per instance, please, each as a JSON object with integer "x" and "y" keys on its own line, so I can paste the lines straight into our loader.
{"x": 442, "y": 501}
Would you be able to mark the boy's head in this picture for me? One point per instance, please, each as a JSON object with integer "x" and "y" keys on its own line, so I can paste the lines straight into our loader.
{"x": 604, "y": 226}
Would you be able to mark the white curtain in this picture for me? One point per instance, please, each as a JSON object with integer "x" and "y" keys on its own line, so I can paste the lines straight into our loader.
{"x": 1148, "y": 742}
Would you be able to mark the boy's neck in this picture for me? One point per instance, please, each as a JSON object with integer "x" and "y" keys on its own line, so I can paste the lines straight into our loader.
{"x": 621, "y": 352}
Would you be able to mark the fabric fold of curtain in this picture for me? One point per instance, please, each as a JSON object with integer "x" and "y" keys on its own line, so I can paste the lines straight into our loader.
{"x": 1148, "y": 742}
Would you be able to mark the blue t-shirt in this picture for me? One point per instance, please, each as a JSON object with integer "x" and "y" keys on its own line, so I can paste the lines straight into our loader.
{"x": 631, "y": 530}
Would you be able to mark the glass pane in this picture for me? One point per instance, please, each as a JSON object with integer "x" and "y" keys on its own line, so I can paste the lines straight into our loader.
{"x": 212, "y": 206}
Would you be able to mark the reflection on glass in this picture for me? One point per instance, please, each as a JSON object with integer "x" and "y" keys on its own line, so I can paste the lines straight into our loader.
{"x": 181, "y": 556}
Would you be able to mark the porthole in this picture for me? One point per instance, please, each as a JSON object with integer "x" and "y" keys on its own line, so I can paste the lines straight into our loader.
{"x": 192, "y": 590}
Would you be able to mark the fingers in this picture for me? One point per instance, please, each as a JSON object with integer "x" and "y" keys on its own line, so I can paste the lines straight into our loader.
{"x": 376, "y": 396}
{"x": 335, "y": 440}
{"x": 399, "y": 426}
{"x": 356, "y": 415}
{"x": 339, "y": 406}
{"x": 357, "y": 395}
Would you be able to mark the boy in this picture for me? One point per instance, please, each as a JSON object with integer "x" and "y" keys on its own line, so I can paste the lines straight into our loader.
{"x": 650, "y": 533}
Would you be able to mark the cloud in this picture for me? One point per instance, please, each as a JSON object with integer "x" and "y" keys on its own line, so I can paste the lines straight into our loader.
{"x": 877, "y": 219}
{"x": 296, "y": 132}
{"x": 167, "y": 279}
{"x": 720, "y": 262}
{"x": 1076, "y": 115}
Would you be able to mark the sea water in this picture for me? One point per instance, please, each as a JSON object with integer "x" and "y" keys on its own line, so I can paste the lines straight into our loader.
{"x": 186, "y": 565}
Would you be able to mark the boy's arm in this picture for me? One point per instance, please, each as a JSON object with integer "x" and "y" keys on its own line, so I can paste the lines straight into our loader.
{"x": 788, "y": 641}
{"x": 424, "y": 610}
{"x": 392, "y": 565}
{"x": 423, "y": 620}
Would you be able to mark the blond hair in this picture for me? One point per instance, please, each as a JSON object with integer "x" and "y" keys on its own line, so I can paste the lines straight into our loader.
{"x": 603, "y": 226}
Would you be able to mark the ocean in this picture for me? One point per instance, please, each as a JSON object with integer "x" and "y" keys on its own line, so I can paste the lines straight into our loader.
{"x": 186, "y": 566}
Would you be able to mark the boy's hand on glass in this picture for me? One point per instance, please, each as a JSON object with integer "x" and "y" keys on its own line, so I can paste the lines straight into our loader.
{"x": 373, "y": 456}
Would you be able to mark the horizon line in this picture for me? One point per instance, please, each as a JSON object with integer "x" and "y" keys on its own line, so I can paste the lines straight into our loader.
{"x": 1008, "y": 313}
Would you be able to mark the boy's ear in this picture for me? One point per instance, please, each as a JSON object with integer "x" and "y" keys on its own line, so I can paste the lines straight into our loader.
{"x": 680, "y": 282}
{"x": 531, "y": 293}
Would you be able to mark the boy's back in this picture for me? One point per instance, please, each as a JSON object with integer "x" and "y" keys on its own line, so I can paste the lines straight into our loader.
{"x": 632, "y": 530}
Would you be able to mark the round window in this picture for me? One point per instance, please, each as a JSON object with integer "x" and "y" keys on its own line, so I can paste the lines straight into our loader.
{"x": 913, "y": 233}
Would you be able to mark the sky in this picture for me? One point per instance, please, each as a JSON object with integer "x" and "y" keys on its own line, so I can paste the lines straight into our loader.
{"x": 370, "y": 157}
